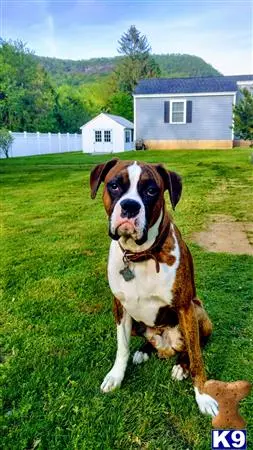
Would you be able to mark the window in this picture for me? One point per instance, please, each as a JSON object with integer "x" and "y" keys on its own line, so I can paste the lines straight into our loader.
{"x": 107, "y": 136}
{"x": 127, "y": 136}
{"x": 178, "y": 112}
{"x": 98, "y": 136}
{"x": 132, "y": 135}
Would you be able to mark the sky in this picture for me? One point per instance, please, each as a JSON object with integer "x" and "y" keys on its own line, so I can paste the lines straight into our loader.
{"x": 219, "y": 31}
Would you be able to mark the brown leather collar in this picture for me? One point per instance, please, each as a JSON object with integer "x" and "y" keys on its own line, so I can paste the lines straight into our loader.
{"x": 129, "y": 256}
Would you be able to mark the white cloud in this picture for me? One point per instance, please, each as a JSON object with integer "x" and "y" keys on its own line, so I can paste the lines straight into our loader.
{"x": 42, "y": 37}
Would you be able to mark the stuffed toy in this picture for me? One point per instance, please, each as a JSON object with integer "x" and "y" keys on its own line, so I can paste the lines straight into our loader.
{"x": 228, "y": 396}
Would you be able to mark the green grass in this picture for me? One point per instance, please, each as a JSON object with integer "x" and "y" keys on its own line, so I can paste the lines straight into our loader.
{"x": 57, "y": 329}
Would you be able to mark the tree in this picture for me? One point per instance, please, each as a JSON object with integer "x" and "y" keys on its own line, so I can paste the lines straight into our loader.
{"x": 28, "y": 99}
{"x": 133, "y": 44}
{"x": 243, "y": 117}
{"x": 121, "y": 104}
{"x": 71, "y": 109}
{"x": 96, "y": 95}
{"x": 137, "y": 63}
{"x": 6, "y": 140}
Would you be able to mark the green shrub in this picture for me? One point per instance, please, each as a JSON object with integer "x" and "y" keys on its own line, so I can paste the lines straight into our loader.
{"x": 6, "y": 140}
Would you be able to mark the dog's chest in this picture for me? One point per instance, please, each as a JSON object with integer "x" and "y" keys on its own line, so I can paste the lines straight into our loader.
{"x": 147, "y": 291}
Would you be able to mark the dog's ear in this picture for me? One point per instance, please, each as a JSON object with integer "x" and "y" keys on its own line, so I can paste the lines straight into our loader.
{"x": 172, "y": 182}
{"x": 98, "y": 175}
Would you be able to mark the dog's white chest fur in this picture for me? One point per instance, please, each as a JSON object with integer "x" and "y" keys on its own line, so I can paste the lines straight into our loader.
{"x": 148, "y": 290}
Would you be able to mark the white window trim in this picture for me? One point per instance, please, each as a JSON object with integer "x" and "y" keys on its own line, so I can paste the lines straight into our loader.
{"x": 193, "y": 94}
{"x": 171, "y": 107}
{"x": 98, "y": 142}
{"x": 110, "y": 130}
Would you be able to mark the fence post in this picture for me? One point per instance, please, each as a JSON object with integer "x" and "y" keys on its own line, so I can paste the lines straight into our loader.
{"x": 75, "y": 142}
{"x": 25, "y": 137}
{"x": 38, "y": 142}
{"x": 11, "y": 154}
{"x": 68, "y": 141}
{"x": 59, "y": 142}
{"x": 49, "y": 141}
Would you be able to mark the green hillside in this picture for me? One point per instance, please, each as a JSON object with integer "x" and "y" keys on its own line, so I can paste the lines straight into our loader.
{"x": 67, "y": 71}
{"x": 177, "y": 65}
{"x": 60, "y": 95}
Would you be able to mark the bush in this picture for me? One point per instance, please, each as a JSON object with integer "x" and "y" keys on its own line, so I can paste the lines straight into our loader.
{"x": 6, "y": 140}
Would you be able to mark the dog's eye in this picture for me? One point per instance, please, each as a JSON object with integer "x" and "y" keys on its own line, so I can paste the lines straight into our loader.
{"x": 151, "y": 191}
{"x": 114, "y": 186}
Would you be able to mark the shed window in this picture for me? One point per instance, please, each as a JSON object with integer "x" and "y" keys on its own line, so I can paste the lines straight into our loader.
{"x": 98, "y": 136}
{"x": 107, "y": 136}
{"x": 178, "y": 111}
{"x": 127, "y": 136}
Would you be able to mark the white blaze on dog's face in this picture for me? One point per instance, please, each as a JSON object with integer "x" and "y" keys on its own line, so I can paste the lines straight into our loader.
{"x": 128, "y": 216}
{"x": 134, "y": 196}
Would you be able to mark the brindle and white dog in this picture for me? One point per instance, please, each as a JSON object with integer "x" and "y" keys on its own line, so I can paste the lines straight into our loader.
{"x": 150, "y": 273}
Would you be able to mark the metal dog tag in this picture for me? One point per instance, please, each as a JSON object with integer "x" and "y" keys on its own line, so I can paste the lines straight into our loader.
{"x": 127, "y": 273}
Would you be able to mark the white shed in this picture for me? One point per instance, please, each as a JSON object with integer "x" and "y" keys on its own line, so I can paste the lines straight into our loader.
{"x": 107, "y": 133}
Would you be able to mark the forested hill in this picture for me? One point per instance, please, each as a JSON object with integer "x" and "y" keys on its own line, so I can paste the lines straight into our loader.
{"x": 66, "y": 71}
{"x": 65, "y": 94}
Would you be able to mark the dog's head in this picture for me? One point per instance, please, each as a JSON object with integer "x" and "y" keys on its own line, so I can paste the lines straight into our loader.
{"x": 134, "y": 195}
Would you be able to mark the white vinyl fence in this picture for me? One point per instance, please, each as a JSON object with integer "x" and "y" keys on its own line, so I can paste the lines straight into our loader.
{"x": 28, "y": 144}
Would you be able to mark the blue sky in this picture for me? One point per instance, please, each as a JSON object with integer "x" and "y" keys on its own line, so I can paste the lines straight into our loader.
{"x": 219, "y": 31}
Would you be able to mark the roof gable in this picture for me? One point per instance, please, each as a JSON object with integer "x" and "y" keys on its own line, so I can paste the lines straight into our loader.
{"x": 118, "y": 119}
{"x": 190, "y": 85}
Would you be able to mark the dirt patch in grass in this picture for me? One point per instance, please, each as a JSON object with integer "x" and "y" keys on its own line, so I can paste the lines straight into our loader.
{"x": 226, "y": 235}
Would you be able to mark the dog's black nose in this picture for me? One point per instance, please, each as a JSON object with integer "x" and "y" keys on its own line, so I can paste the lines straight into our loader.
{"x": 129, "y": 208}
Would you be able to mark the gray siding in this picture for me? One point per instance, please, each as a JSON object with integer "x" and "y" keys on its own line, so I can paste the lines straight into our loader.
{"x": 211, "y": 119}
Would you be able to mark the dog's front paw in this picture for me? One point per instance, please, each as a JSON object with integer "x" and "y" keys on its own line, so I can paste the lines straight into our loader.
{"x": 111, "y": 381}
{"x": 206, "y": 403}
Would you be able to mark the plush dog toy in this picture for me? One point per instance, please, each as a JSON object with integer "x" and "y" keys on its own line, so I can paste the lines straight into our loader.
{"x": 228, "y": 396}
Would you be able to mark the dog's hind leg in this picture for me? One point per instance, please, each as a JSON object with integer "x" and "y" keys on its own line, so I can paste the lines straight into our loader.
{"x": 181, "y": 369}
{"x": 190, "y": 328}
{"x": 143, "y": 354}
{"x": 205, "y": 324}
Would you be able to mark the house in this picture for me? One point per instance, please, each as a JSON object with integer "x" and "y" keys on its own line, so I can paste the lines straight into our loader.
{"x": 107, "y": 133}
{"x": 187, "y": 112}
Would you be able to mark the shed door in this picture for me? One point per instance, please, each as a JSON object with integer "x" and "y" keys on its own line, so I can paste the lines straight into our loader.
{"x": 103, "y": 141}
{"x": 129, "y": 133}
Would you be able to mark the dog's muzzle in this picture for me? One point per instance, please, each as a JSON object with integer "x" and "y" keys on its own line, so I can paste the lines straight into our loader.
{"x": 128, "y": 220}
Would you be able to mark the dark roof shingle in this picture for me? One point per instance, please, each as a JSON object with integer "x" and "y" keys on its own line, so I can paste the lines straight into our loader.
{"x": 190, "y": 85}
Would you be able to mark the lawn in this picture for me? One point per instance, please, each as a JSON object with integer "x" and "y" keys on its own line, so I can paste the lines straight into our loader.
{"x": 57, "y": 329}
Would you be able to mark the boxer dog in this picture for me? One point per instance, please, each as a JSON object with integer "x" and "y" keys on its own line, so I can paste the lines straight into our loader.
{"x": 150, "y": 272}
